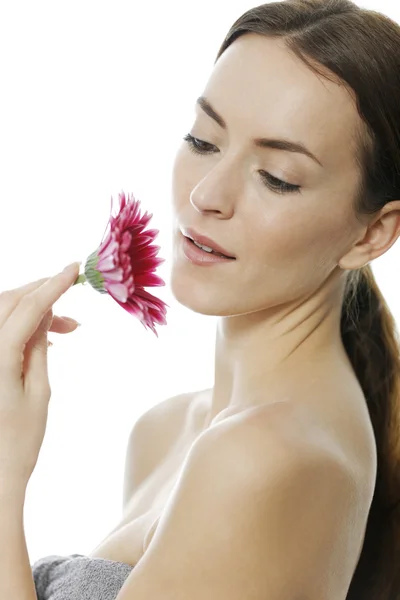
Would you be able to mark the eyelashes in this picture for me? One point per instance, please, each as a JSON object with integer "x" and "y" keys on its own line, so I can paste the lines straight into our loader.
{"x": 278, "y": 186}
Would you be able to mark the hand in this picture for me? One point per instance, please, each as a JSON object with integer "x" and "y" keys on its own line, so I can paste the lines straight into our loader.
{"x": 26, "y": 316}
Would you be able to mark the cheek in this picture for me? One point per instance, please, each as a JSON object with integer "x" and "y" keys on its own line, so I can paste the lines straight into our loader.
{"x": 294, "y": 243}
{"x": 286, "y": 259}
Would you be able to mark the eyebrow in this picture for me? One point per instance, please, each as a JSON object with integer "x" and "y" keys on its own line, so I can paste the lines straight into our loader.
{"x": 276, "y": 144}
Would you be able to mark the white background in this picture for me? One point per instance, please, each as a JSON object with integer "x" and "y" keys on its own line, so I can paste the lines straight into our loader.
{"x": 95, "y": 98}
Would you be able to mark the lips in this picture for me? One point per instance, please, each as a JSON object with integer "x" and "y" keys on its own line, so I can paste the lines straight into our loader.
{"x": 206, "y": 241}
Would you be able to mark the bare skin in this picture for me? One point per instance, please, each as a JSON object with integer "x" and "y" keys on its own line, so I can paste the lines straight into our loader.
{"x": 176, "y": 424}
{"x": 278, "y": 335}
{"x": 165, "y": 438}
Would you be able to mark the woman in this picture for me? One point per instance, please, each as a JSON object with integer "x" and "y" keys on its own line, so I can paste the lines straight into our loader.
{"x": 281, "y": 481}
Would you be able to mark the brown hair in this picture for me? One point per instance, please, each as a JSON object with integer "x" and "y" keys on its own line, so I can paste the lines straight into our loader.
{"x": 362, "y": 48}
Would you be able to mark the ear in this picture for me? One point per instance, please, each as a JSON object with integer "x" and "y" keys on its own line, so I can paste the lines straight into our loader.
{"x": 382, "y": 232}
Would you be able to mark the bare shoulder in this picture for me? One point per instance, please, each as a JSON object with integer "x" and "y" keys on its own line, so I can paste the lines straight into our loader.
{"x": 283, "y": 434}
{"x": 278, "y": 427}
{"x": 273, "y": 446}
{"x": 302, "y": 497}
{"x": 282, "y": 422}
{"x": 152, "y": 436}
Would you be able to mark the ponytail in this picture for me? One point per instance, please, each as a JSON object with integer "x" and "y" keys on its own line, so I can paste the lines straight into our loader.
{"x": 371, "y": 341}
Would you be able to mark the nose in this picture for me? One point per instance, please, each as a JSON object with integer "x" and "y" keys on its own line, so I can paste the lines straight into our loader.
{"x": 217, "y": 191}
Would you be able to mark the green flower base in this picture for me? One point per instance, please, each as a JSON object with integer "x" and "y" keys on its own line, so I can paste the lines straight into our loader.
{"x": 91, "y": 274}
{"x": 81, "y": 279}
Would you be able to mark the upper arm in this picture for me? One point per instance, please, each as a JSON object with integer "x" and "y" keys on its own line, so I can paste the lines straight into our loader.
{"x": 250, "y": 520}
{"x": 150, "y": 438}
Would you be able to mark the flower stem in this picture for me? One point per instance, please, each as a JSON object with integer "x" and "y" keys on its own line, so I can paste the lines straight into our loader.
{"x": 81, "y": 279}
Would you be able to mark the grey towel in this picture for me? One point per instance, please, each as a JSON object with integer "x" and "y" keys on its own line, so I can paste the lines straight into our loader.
{"x": 78, "y": 577}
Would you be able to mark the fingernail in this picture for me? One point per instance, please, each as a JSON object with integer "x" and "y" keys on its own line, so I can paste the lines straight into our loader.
{"x": 73, "y": 321}
{"x": 72, "y": 266}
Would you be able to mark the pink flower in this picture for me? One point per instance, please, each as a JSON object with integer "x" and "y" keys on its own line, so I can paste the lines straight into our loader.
{"x": 124, "y": 264}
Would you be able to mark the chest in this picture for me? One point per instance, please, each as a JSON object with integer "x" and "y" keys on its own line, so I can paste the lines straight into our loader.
{"x": 128, "y": 541}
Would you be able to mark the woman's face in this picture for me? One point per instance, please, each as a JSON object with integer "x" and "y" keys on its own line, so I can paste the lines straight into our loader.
{"x": 286, "y": 241}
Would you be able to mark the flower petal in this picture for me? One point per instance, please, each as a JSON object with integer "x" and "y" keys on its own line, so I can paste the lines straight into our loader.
{"x": 119, "y": 291}
{"x": 125, "y": 263}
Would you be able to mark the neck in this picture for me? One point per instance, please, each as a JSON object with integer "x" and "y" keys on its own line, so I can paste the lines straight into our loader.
{"x": 264, "y": 356}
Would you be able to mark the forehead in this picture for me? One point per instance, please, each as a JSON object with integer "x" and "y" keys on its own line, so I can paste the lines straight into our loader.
{"x": 260, "y": 85}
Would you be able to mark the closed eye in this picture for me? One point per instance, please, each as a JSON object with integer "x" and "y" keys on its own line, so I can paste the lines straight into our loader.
{"x": 279, "y": 186}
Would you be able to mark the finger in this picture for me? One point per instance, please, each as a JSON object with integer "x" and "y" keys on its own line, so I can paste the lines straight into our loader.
{"x": 28, "y": 287}
{"x": 59, "y": 325}
{"x": 10, "y": 298}
{"x": 35, "y": 369}
{"x": 36, "y": 376}
{"x": 29, "y": 312}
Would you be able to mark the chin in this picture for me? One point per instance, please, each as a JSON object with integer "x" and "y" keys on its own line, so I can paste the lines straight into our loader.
{"x": 200, "y": 298}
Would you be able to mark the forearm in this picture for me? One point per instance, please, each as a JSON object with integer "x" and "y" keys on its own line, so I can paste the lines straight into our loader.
{"x": 16, "y": 580}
